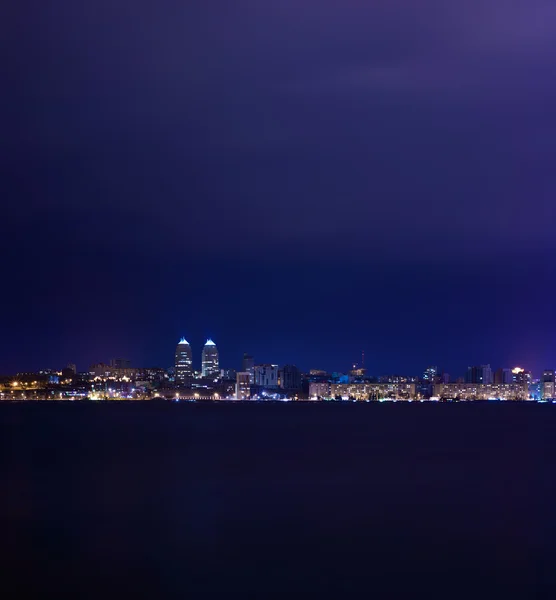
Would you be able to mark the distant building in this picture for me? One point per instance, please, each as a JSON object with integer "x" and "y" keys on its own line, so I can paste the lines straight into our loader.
{"x": 396, "y": 379}
{"x": 548, "y": 383}
{"x": 357, "y": 373}
{"x": 210, "y": 360}
{"x": 100, "y": 370}
{"x": 535, "y": 390}
{"x": 248, "y": 366}
{"x": 290, "y": 378}
{"x": 373, "y": 391}
{"x": 266, "y": 376}
{"x": 521, "y": 376}
{"x": 430, "y": 374}
{"x": 479, "y": 375}
{"x": 428, "y": 379}
{"x": 319, "y": 389}
{"x": 228, "y": 373}
{"x": 72, "y": 367}
{"x": 67, "y": 374}
{"x": 503, "y": 376}
{"x": 120, "y": 363}
{"x": 183, "y": 364}
{"x": 318, "y": 373}
{"x": 243, "y": 385}
{"x": 154, "y": 374}
{"x": 481, "y": 391}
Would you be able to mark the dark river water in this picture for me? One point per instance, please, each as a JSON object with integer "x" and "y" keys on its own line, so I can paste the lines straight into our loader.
{"x": 128, "y": 500}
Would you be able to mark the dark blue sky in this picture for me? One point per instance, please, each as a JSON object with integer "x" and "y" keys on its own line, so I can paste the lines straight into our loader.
{"x": 300, "y": 180}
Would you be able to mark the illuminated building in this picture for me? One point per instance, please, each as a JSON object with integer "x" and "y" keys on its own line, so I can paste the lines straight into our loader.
{"x": 429, "y": 375}
{"x": 373, "y": 391}
{"x": 184, "y": 363}
{"x": 549, "y": 385}
{"x": 100, "y": 370}
{"x": 396, "y": 379}
{"x": 319, "y": 389}
{"x": 248, "y": 366}
{"x": 228, "y": 374}
{"x": 318, "y": 373}
{"x": 357, "y": 373}
{"x": 243, "y": 385}
{"x": 266, "y": 376}
{"x": 480, "y": 375}
{"x": 210, "y": 362}
{"x": 521, "y": 375}
{"x": 481, "y": 391}
{"x": 429, "y": 378}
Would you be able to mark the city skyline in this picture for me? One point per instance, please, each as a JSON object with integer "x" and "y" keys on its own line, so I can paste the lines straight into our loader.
{"x": 119, "y": 380}
{"x": 206, "y": 363}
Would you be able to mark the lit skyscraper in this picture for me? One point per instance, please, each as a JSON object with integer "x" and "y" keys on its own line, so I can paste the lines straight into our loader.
{"x": 243, "y": 386}
{"x": 184, "y": 363}
{"x": 430, "y": 374}
{"x": 521, "y": 375}
{"x": 210, "y": 363}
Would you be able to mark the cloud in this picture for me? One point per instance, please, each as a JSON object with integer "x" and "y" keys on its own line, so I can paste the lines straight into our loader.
{"x": 448, "y": 46}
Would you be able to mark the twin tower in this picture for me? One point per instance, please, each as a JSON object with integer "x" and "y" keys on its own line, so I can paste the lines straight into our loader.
{"x": 184, "y": 361}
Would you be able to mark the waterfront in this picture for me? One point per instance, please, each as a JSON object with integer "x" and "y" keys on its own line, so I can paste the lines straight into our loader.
{"x": 160, "y": 498}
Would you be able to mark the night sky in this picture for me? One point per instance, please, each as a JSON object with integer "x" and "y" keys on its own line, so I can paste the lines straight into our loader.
{"x": 300, "y": 179}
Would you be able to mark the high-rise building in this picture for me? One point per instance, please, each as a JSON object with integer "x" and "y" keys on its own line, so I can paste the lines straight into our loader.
{"x": 430, "y": 374}
{"x": 248, "y": 366}
{"x": 210, "y": 362}
{"x": 549, "y": 384}
{"x": 290, "y": 378}
{"x": 503, "y": 376}
{"x": 521, "y": 375}
{"x": 243, "y": 385}
{"x": 480, "y": 374}
{"x": 266, "y": 376}
{"x": 183, "y": 364}
{"x": 72, "y": 367}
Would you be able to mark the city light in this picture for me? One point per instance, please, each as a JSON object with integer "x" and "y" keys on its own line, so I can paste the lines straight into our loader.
{"x": 270, "y": 382}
